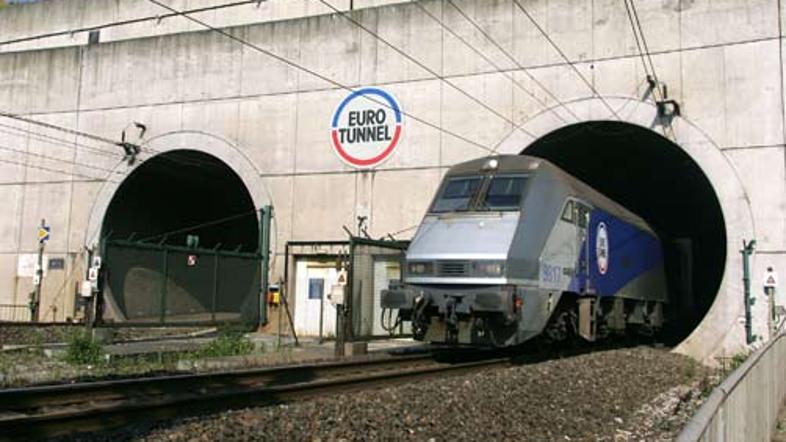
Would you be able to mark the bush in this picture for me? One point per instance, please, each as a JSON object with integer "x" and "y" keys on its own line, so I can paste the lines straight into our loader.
{"x": 82, "y": 350}
{"x": 231, "y": 342}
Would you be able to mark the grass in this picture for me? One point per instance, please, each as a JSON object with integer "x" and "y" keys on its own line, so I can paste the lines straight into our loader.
{"x": 230, "y": 342}
{"x": 84, "y": 359}
{"x": 83, "y": 350}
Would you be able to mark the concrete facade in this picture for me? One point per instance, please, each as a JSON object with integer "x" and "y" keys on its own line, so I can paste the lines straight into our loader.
{"x": 722, "y": 61}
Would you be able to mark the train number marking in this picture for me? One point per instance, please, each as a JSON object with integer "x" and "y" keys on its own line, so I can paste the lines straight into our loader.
{"x": 550, "y": 274}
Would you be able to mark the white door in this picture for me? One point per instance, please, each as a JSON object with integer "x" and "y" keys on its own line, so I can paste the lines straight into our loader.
{"x": 313, "y": 281}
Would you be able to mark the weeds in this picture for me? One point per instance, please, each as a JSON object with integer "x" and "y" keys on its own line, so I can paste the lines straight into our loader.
{"x": 737, "y": 360}
{"x": 230, "y": 342}
{"x": 82, "y": 350}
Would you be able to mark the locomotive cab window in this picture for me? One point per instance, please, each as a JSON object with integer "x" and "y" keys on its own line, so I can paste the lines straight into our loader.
{"x": 457, "y": 194}
{"x": 568, "y": 212}
{"x": 480, "y": 193}
{"x": 582, "y": 214}
{"x": 504, "y": 193}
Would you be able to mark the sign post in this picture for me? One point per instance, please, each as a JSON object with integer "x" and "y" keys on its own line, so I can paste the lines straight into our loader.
{"x": 747, "y": 251}
{"x": 770, "y": 285}
{"x": 35, "y": 298}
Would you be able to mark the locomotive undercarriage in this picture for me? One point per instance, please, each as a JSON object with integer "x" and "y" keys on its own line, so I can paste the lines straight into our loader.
{"x": 499, "y": 316}
{"x": 476, "y": 315}
{"x": 592, "y": 318}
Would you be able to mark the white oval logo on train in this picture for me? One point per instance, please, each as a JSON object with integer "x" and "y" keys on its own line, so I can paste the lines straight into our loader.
{"x": 602, "y": 248}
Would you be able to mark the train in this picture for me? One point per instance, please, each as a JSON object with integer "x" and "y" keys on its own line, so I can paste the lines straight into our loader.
{"x": 512, "y": 248}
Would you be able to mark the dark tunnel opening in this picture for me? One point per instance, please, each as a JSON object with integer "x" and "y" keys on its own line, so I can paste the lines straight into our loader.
{"x": 180, "y": 242}
{"x": 656, "y": 179}
{"x": 180, "y": 193}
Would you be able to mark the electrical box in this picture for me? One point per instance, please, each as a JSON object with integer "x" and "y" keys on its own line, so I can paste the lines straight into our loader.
{"x": 86, "y": 290}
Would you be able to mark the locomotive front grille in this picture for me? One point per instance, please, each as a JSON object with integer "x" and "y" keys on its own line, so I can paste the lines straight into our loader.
{"x": 452, "y": 268}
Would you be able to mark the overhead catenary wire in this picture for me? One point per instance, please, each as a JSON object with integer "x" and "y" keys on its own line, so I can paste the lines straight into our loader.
{"x": 636, "y": 37}
{"x": 318, "y": 75}
{"x": 48, "y": 169}
{"x": 38, "y": 136}
{"x": 432, "y": 72}
{"x": 486, "y": 58}
{"x": 61, "y": 160}
{"x": 200, "y": 225}
{"x": 61, "y": 290}
{"x": 132, "y": 21}
{"x": 518, "y": 64}
{"x": 64, "y": 142}
{"x": 57, "y": 128}
{"x": 638, "y": 31}
{"x": 565, "y": 57}
{"x": 646, "y": 46}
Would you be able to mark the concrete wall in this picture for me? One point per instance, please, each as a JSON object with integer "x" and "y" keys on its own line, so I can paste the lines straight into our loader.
{"x": 721, "y": 61}
{"x": 745, "y": 406}
{"x": 68, "y": 23}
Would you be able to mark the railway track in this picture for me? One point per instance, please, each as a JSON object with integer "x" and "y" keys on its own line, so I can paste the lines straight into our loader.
{"x": 47, "y": 411}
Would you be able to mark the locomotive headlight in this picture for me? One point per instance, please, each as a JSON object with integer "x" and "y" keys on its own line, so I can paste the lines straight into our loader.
{"x": 420, "y": 268}
{"x": 489, "y": 268}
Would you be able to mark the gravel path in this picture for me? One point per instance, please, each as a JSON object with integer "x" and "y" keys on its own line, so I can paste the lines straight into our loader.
{"x": 621, "y": 394}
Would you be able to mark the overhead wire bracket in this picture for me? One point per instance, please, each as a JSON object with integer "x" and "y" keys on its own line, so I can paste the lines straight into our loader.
{"x": 667, "y": 107}
{"x": 131, "y": 150}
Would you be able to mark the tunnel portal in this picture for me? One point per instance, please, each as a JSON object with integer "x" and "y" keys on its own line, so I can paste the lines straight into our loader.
{"x": 656, "y": 179}
{"x": 180, "y": 241}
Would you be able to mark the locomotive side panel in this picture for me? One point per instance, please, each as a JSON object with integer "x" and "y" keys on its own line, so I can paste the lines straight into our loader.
{"x": 620, "y": 254}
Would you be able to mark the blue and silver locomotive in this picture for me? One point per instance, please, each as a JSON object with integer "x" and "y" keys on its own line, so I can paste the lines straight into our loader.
{"x": 512, "y": 247}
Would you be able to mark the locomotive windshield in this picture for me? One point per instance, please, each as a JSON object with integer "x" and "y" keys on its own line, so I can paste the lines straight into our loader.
{"x": 480, "y": 193}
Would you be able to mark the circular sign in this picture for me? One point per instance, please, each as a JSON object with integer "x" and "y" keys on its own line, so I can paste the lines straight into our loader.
{"x": 366, "y": 127}
{"x": 602, "y": 248}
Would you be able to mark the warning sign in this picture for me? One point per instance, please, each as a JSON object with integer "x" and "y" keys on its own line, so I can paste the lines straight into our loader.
{"x": 770, "y": 279}
{"x": 366, "y": 127}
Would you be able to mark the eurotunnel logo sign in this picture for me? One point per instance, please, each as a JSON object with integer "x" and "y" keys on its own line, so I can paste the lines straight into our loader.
{"x": 602, "y": 248}
{"x": 366, "y": 127}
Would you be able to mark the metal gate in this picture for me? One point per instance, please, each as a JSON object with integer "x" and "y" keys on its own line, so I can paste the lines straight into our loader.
{"x": 144, "y": 283}
{"x": 159, "y": 284}
{"x": 373, "y": 264}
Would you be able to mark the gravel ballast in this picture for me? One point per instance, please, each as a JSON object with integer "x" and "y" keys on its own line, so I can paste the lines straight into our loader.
{"x": 621, "y": 394}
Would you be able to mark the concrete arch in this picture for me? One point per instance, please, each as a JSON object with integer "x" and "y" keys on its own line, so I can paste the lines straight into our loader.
{"x": 721, "y": 329}
{"x": 214, "y": 145}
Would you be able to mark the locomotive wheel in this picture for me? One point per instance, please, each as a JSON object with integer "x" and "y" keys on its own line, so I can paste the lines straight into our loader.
{"x": 562, "y": 326}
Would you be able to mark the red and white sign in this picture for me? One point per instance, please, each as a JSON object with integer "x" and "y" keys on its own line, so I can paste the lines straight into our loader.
{"x": 770, "y": 279}
{"x": 191, "y": 261}
{"x": 366, "y": 127}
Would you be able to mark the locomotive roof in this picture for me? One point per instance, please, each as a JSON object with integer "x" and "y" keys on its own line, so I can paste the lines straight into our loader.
{"x": 573, "y": 186}
{"x": 506, "y": 163}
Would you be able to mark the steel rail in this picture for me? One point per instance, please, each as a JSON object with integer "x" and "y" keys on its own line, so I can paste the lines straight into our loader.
{"x": 47, "y": 411}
